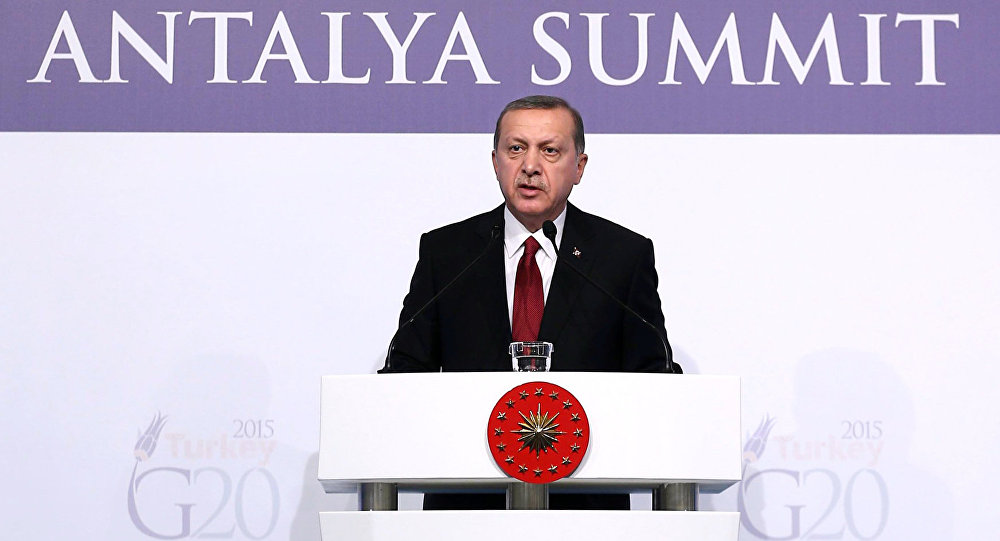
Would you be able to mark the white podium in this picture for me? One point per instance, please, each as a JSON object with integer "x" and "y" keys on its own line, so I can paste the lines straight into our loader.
{"x": 420, "y": 432}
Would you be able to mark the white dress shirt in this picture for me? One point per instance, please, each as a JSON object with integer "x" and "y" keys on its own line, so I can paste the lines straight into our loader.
{"x": 514, "y": 235}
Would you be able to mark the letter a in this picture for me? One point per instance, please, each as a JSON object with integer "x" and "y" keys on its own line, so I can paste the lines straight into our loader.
{"x": 280, "y": 30}
{"x": 65, "y": 28}
{"x": 461, "y": 30}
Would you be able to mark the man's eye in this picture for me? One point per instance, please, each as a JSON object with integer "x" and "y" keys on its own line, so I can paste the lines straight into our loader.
{"x": 550, "y": 150}
{"x": 516, "y": 148}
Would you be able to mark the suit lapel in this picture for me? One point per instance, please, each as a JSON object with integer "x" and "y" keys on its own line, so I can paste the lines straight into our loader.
{"x": 566, "y": 284}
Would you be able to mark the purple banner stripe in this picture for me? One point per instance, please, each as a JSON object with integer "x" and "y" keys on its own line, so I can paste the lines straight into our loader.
{"x": 914, "y": 66}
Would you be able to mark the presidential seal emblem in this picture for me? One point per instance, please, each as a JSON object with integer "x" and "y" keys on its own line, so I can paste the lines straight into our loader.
{"x": 538, "y": 432}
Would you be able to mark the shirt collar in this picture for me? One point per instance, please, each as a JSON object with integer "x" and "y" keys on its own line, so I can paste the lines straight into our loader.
{"x": 514, "y": 234}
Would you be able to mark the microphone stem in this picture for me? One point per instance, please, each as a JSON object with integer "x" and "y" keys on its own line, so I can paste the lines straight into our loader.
{"x": 387, "y": 366}
{"x": 549, "y": 230}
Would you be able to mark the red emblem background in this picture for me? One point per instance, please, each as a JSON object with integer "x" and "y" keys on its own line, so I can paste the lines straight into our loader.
{"x": 514, "y": 411}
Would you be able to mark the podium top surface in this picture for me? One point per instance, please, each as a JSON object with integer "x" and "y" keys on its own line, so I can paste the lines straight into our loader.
{"x": 428, "y": 430}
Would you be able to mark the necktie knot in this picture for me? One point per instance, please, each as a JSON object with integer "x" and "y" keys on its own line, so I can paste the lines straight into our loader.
{"x": 531, "y": 246}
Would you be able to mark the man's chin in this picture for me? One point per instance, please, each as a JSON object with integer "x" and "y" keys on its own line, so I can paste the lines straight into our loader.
{"x": 531, "y": 216}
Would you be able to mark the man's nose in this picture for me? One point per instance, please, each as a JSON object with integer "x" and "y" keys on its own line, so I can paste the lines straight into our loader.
{"x": 530, "y": 164}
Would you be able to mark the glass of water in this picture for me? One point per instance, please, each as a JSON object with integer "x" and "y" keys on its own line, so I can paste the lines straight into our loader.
{"x": 531, "y": 356}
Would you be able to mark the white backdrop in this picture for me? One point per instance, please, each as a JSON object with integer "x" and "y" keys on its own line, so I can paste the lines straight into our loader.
{"x": 850, "y": 280}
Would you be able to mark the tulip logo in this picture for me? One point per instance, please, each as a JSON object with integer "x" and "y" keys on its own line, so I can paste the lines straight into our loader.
{"x": 146, "y": 444}
{"x": 753, "y": 449}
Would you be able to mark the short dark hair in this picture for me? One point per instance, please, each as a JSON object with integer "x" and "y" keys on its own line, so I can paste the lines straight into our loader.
{"x": 544, "y": 102}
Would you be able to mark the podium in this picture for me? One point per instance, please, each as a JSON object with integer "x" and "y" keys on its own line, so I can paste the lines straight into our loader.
{"x": 664, "y": 433}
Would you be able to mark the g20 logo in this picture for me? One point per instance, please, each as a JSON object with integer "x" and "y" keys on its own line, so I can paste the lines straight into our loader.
{"x": 208, "y": 483}
{"x": 865, "y": 489}
{"x": 213, "y": 526}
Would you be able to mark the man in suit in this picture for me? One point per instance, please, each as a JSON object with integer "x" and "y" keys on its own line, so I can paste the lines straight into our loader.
{"x": 505, "y": 296}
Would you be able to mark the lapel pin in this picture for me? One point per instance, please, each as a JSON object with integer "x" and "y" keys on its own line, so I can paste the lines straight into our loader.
{"x": 577, "y": 252}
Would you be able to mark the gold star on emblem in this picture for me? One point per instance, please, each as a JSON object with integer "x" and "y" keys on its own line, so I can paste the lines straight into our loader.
{"x": 497, "y": 431}
{"x": 524, "y": 394}
{"x": 566, "y": 460}
{"x": 578, "y": 433}
{"x": 521, "y": 468}
{"x": 510, "y": 459}
{"x": 553, "y": 468}
{"x": 574, "y": 447}
{"x": 501, "y": 446}
{"x": 567, "y": 405}
{"x": 502, "y": 416}
{"x": 538, "y": 472}
{"x": 510, "y": 404}
{"x": 574, "y": 417}
{"x": 538, "y": 392}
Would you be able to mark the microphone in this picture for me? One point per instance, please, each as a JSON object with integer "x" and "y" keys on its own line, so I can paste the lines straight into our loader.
{"x": 387, "y": 366}
{"x": 549, "y": 230}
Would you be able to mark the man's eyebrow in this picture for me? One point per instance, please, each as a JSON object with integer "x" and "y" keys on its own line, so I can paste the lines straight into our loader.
{"x": 550, "y": 141}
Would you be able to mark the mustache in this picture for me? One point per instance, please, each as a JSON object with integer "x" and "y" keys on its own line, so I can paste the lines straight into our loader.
{"x": 531, "y": 181}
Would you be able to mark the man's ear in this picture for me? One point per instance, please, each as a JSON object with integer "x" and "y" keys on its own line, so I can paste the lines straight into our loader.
{"x": 496, "y": 168}
{"x": 581, "y": 164}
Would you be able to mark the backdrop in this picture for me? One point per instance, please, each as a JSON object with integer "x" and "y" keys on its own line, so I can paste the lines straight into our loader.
{"x": 169, "y": 299}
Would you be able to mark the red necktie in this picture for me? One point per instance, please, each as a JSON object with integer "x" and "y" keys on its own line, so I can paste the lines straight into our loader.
{"x": 529, "y": 300}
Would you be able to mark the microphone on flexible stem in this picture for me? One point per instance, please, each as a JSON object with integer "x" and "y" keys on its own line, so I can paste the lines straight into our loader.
{"x": 549, "y": 230}
{"x": 387, "y": 367}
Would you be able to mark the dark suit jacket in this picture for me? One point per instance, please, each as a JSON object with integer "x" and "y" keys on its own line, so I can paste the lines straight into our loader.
{"x": 468, "y": 328}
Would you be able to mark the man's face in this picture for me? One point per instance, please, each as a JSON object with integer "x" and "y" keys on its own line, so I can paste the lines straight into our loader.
{"x": 536, "y": 163}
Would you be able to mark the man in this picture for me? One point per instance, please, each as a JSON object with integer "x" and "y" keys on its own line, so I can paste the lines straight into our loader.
{"x": 507, "y": 295}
